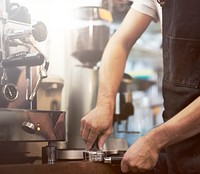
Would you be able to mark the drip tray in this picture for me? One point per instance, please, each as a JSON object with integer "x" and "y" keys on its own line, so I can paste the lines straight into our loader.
{"x": 113, "y": 146}
{"x": 65, "y": 154}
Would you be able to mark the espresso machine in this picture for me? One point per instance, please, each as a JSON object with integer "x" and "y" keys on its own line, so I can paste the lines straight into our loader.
{"x": 22, "y": 68}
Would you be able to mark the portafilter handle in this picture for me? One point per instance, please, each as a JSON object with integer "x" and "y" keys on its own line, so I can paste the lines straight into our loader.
{"x": 113, "y": 159}
{"x": 23, "y": 59}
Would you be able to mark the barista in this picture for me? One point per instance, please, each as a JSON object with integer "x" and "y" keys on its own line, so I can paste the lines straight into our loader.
{"x": 180, "y": 134}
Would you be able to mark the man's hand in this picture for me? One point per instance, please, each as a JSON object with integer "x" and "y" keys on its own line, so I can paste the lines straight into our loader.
{"x": 141, "y": 156}
{"x": 97, "y": 123}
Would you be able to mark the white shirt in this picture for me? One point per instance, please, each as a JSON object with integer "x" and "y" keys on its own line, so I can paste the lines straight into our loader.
{"x": 149, "y": 7}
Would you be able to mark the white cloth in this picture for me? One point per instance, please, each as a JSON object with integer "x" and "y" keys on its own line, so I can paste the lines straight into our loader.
{"x": 149, "y": 7}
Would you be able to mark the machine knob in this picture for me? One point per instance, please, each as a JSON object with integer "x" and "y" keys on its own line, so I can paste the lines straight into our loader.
{"x": 39, "y": 31}
{"x": 28, "y": 127}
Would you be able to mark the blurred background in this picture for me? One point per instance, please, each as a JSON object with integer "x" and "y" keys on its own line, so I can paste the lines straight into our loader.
{"x": 144, "y": 59}
{"x": 144, "y": 62}
{"x": 77, "y": 35}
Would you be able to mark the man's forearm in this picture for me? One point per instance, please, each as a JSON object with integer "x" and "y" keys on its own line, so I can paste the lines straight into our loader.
{"x": 111, "y": 72}
{"x": 183, "y": 125}
{"x": 116, "y": 52}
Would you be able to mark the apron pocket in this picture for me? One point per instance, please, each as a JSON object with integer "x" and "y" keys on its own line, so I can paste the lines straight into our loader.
{"x": 182, "y": 62}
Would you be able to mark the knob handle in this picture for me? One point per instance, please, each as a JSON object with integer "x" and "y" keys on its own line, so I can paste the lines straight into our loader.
{"x": 28, "y": 127}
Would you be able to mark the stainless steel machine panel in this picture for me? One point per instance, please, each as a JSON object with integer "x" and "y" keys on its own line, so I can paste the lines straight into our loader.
{"x": 31, "y": 125}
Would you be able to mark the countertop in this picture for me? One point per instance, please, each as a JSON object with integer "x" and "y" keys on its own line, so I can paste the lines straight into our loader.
{"x": 61, "y": 167}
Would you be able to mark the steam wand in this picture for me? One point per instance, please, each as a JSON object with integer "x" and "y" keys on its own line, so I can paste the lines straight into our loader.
{"x": 42, "y": 75}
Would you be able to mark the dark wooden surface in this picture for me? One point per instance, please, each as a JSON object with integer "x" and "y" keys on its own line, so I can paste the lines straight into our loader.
{"x": 61, "y": 167}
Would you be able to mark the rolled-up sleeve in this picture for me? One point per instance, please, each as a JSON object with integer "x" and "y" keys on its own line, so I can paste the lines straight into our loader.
{"x": 147, "y": 7}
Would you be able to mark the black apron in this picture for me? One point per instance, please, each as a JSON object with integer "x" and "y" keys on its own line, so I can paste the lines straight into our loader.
{"x": 181, "y": 80}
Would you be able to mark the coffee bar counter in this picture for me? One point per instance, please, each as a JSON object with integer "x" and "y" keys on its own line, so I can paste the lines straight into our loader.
{"x": 61, "y": 167}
